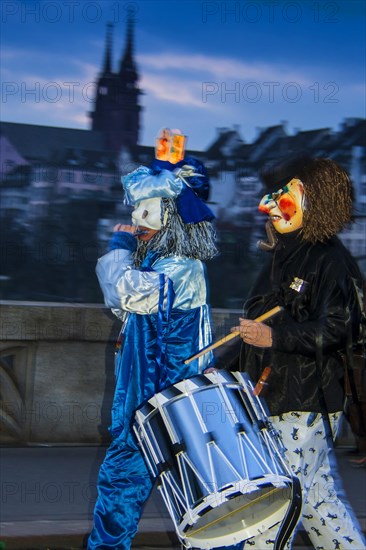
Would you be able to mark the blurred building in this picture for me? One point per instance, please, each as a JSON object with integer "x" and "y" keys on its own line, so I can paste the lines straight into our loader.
{"x": 235, "y": 167}
{"x": 55, "y": 181}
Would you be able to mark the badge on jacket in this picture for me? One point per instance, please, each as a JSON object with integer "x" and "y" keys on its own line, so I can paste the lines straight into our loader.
{"x": 298, "y": 284}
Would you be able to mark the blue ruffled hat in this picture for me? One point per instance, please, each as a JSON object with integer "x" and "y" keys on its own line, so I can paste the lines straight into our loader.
{"x": 160, "y": 181}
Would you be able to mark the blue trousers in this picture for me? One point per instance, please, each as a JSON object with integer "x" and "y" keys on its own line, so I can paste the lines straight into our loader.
{"x": 124, "y": 485}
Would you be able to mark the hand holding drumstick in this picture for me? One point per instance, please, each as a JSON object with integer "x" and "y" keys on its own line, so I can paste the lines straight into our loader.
{"x": 249, "y": 331}
{"x": 254, "y": 333}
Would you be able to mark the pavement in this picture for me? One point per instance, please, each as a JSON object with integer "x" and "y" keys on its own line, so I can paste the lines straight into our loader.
{"x": 48, "y": 495}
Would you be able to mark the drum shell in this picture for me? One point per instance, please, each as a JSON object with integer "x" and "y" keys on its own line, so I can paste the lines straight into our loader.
{"x": 211, "y": 445}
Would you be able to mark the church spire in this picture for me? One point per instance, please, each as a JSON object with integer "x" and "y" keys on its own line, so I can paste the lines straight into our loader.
{"x": 117, "y": 110}
{"x": 107, "y": 68}
{"x": 127, "y": 61}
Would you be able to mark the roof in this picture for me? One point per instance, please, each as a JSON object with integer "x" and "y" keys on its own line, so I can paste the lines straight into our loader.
{"x": 37, "y": 142}
{"x": 307, "y": 141}
{"x": 226, "y": 136}
{"x": 352, "y": 133}
{"x": 267, "y": 133}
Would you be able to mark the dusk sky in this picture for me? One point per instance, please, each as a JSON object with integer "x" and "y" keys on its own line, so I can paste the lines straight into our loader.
{"x": 202, "y": 65}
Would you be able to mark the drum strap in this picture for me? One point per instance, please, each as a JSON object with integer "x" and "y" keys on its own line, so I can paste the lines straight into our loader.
{"x": 320, "y": 391}
{"x": 292, "y": 516}
{"x": 350, "y": 367}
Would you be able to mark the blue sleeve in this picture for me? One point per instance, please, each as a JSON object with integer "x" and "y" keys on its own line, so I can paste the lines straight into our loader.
{"x": 122, "y": 239}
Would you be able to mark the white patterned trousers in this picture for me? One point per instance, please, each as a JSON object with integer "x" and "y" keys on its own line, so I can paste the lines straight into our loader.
{"x": 326, "y": 515}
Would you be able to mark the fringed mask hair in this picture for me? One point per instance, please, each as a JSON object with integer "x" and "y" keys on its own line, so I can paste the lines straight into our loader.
{"x": 185, "y": 227}
{"x": 190, "y": 240}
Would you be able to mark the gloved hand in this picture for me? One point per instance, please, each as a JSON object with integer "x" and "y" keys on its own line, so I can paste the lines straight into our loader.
{"x": 187, "y": 171}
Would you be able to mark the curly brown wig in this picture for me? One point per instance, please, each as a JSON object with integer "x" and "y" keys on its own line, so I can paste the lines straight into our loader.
{"x": 328, "y": 199}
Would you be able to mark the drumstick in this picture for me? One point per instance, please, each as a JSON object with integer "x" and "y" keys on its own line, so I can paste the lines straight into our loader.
{"x": 232, "y": 335}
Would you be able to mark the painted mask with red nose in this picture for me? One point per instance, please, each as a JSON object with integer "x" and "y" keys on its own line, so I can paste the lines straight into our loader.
{"x": 285, "y": 208}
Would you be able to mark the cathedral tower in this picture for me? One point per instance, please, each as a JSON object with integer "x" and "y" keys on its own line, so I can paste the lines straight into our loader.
{"x": 116, "y": 107}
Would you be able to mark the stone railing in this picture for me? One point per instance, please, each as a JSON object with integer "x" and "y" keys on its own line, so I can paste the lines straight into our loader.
{"x": 57, "y": 372}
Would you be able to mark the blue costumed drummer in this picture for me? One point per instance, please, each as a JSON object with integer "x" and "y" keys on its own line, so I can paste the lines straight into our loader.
{"x": 153, "y": 279}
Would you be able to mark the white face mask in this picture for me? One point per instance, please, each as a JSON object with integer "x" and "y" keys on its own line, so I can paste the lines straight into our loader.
{"x": 148, "y": 213}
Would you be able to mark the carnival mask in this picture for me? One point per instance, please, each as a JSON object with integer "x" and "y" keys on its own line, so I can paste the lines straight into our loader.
{"x": 147, "y": 217}
{"x": 285, "y": 208}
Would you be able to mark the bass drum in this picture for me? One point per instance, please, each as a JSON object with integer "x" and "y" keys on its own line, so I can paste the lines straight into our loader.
{"x": 217, "y": 457}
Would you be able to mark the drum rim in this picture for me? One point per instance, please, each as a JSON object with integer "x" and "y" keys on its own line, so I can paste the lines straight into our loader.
{"x": 245, "y": 532}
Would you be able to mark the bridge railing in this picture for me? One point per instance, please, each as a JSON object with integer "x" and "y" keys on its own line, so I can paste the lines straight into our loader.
{"x": 57, "y": 372}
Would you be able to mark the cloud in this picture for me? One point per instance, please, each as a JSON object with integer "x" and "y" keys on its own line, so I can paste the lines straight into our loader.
{"x": 223, "y": 68}
{"x": 183, "y": 79}
{"x": 219, "y": 83}
{"x": 63, "y": 101}
{"x": 188, "y": 80}
{"x": 174, "y": 85}
{"x": 17, "y": 61}
{"x": 177, "y": 90}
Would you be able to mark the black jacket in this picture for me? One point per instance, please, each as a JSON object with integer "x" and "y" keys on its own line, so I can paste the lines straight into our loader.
{"x": 321, "y": 315}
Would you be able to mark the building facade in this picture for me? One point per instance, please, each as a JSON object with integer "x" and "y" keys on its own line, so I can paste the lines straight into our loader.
{"x": 62, "y": 185}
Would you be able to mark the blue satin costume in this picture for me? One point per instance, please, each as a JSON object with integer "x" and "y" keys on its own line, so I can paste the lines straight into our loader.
{"x": 167, "y": 321}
